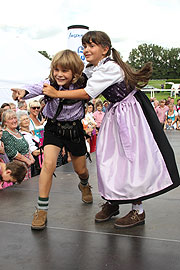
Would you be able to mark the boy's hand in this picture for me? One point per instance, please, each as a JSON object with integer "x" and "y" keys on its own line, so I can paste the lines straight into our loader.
{"x": 18, "y": 94}
{"x": 50, "y": 91}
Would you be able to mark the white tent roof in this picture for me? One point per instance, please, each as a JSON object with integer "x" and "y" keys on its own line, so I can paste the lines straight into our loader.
{"x": 19, "y": 64}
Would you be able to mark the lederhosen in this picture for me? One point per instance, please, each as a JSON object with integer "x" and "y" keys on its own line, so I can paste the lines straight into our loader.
{"x": 66, "y": 133}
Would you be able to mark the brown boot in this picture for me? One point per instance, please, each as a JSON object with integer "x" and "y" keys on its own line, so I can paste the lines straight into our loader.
{"x": 39, "y": 220}
{"x": 130, "y": 220}
{"x": 108, "y": 210}
{"x": 86, "y": 193}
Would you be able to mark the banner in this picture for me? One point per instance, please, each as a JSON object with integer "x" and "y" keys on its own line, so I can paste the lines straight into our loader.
{"x": 75, "y": 33}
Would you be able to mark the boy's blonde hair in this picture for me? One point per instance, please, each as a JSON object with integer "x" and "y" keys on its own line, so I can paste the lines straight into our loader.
{"x": 67, "y": 59}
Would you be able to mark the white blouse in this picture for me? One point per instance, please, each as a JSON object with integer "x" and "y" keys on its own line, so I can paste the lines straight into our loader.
{"x": 102, "y": 76}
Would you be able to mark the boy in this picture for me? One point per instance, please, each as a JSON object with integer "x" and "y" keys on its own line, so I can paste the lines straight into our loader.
{"x": 13, "y": 171}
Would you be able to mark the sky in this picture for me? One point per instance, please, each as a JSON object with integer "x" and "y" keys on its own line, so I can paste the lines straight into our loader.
{"x": 129, "y": 23}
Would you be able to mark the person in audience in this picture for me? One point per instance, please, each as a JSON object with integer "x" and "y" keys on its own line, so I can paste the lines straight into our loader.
{"x": 22, "y": 105}
{"x": 171, "y": 113}
{"x": 33, "y": 141}
{"x": 11, "y": 173}
{"x": 15, "y": 145}
{"x": 178, "y": 105}
{"x": 89, "y": 118}
{"x": 178, "y": 122}
{"x": 169, "y": 125}
{"x": 98, "y": 114}
{"x": 5, "y": 106}
{"x": 3, "y": 155}
{"x": 156, "y": 103}
{"x": 172, "y": 102}
{"x": 36, "y": 126}
{"x": 161, "y": 110}
{"x": 12, "y": 106}
{"x": 105, "y": 105}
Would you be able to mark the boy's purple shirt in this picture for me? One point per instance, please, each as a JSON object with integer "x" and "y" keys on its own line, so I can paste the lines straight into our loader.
{"x": 69, "y": 112}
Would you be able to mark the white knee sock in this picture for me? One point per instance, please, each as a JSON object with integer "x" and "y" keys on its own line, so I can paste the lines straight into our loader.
{"x": 138, "y": 207}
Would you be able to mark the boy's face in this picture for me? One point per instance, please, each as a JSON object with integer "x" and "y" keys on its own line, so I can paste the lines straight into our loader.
{"x": 6, "y": 176}
{"x": 62, "y": 76}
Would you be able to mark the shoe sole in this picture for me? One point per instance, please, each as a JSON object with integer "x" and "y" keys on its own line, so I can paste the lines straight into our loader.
{"x": 129, "y": 226}
{"x": 38, "y": 228}
{"x": 108, "y": 218}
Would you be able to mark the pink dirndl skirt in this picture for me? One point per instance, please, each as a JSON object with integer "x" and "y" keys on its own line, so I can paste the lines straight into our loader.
{"x": 129, "y": 162}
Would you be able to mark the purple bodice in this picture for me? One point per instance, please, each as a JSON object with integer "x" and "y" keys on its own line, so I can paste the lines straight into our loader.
{"x": 116, "y": 92}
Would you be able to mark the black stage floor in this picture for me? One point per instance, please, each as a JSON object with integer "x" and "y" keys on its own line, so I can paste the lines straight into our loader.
{"x": 72, "y": 240}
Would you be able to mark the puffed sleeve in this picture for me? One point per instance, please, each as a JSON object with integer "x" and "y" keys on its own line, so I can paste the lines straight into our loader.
{"x": 104, "y": 76}
{"x": 9, "y": 145}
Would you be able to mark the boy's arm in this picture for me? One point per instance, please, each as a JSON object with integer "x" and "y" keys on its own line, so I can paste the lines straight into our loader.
{"x": 29, "y": 91}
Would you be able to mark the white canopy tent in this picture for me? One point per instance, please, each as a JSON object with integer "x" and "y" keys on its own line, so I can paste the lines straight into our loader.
{"x": 19, "y": 65}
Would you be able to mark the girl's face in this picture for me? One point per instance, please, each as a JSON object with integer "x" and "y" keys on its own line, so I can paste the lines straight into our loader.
{"x": 62, "y": 76}
{"x": 94, "y": 53}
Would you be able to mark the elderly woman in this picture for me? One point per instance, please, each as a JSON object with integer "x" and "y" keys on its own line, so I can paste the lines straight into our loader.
{"x": 36, "y": 126}
{"x": 16, "y": 147}
{"x": 33, "y": 141}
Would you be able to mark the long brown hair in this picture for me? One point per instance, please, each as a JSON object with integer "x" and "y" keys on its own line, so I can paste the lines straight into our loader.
{"x": 133, "y": 78}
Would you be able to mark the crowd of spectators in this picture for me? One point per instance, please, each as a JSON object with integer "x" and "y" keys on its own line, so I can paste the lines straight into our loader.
{"x": 22, "y": 129}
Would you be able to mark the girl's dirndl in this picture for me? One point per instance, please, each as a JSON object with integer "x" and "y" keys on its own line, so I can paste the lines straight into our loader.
{"x": 134, "y": 158}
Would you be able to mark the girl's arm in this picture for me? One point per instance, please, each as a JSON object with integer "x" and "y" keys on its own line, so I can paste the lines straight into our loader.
{"x": 67, "y": 94}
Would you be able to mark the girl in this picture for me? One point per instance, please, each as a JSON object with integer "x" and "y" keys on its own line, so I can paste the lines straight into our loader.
{"x": 63, "y": 128}
{"x": 134, "y": 159}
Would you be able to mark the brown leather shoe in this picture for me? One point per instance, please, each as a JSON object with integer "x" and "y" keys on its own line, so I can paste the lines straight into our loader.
{"x": 39, "y": 220}
{"x": 108, "y": 210}
{"x": 130, "y": 220}
{"x": 86, "y": 193}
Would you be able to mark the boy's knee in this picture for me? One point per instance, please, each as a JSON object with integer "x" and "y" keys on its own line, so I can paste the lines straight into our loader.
{"x": 49, "y": 166}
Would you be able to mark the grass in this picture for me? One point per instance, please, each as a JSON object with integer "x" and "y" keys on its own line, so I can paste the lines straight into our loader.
{"x": 161, "y": 95}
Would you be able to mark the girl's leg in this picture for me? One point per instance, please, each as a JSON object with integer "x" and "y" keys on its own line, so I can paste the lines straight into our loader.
{"x": 79, "y": 165}
{"x": 45, "y": 181}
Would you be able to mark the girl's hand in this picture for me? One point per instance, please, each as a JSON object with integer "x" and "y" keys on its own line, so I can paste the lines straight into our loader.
{"x": 50, "y": 91}
{"x": 28, "y": 162}
{"x": 18, "y": 94}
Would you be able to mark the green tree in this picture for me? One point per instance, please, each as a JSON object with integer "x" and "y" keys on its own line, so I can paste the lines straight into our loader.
{"x": 165, "y": 62}
{"x": 45, "y": 54}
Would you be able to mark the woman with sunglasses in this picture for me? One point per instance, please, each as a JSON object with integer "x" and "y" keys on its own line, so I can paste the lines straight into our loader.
{"x": 36, "y": 126}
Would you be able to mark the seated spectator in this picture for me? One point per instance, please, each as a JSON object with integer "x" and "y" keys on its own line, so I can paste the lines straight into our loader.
{"x": 161, "y": 110}
{"x": 98, "y": 114}
{"x": 168, "y": 101}
{"x": 33, "y": 141}
{"x": 171, "y": 114}
{"x": 15, "y": 145}
{"x": 10, "y": 173}
{"x": 22, "y": 105}
{"x": 169, "y": 124}
{"x": 36, "y": 126}
{"x": 5, "y": 106}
